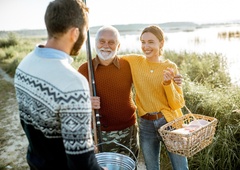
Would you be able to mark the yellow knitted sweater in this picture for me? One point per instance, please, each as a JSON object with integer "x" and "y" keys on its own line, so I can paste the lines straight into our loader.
{"x": 151, "y": 94}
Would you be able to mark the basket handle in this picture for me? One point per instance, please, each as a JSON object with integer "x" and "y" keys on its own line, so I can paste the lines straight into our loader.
{"x": 189, "y": 112}
{"x": 108, "y": 142}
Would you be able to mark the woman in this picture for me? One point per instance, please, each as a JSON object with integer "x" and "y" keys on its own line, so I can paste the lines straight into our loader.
{"x": 158, "y": 98}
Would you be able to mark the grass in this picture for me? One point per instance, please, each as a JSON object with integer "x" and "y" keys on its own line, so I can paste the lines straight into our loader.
{"x": 207, "y": 91}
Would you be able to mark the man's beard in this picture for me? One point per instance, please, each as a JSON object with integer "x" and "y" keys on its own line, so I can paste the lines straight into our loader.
{"x": 105, "y": 54}
{"x": 78, "y": 45}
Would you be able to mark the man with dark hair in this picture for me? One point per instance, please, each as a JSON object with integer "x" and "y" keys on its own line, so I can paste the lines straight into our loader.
{"x": 54, "y": 99}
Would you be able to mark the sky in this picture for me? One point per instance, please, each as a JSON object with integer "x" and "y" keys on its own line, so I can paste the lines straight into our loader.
{"x": 29, "y": 14}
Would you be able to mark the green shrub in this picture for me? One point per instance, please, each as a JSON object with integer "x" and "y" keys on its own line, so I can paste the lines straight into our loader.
{"x": 2, "y": 54}
{"x": 223, "y": 104}
{"x": 12, "y": 40}
{"x": 81, "y": 58}
{"x": 12, "y": 55}
{"x": 208, "y": 69}
{"x": 11, "y": 67}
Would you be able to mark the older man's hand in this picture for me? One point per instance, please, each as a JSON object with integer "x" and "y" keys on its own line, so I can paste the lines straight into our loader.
{"x": 178, "y": 79}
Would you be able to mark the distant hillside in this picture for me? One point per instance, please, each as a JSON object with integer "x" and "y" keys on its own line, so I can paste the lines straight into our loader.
{"x": 167, "y": 27}
{"x": 130, "y": 28}
{"x": 135, "y": 28}
{"x": 27, "y": 33}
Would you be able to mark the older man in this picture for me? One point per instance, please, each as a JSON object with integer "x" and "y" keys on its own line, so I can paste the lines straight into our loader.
{"x": 113, "y": 85}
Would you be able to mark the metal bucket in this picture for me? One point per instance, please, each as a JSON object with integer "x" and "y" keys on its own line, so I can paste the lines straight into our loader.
{"x": 116, "y": 161}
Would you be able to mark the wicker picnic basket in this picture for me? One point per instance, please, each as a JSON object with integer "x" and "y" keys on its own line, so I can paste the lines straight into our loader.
{"x": 190, "y": 143}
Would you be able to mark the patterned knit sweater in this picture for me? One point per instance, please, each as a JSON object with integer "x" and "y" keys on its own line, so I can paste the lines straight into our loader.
{"x": 55, "y": 111}
{"x": 151, "y": 94}
{"x": 113, "y": 86}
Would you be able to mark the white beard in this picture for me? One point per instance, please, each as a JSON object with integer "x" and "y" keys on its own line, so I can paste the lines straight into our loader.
{"x": 105, "y": 54}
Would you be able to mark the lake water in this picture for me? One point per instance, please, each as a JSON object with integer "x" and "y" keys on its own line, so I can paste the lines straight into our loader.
{"x": 204, "y": 40}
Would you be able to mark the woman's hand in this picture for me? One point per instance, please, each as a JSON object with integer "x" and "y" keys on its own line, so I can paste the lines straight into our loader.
{"x": 168, "y": 76}
{"x": 178, "y": 79}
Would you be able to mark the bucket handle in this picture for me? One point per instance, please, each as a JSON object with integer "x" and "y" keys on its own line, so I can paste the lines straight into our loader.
{"x": 108, "y": 142}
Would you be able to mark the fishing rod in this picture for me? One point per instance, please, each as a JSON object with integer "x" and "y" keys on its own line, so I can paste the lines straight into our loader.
{"x": 95, "y": 112}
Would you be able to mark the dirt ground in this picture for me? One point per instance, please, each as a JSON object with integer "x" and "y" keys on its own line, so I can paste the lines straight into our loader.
{"x": 13, "y": 142}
